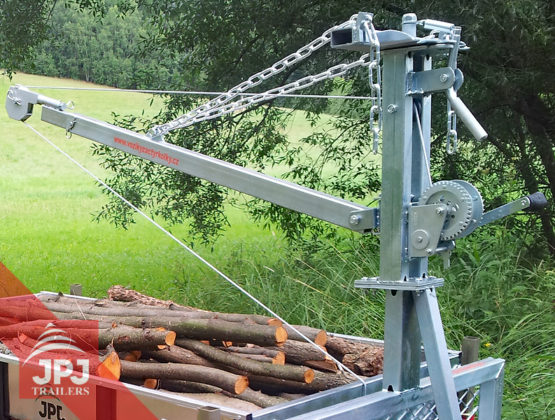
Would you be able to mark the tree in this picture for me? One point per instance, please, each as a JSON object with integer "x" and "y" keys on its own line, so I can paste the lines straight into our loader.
{"x": 24, "y": 25}
{"x": 101, "y": 52}
{"x": 219, "y": 43}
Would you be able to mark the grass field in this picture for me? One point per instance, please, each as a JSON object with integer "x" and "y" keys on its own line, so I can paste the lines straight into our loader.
{"x": 49, "y": 240}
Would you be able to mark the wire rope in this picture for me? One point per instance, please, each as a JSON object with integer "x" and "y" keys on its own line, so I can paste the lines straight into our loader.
{"x": 192, "y": 252}
{"x": 200, "y": 93}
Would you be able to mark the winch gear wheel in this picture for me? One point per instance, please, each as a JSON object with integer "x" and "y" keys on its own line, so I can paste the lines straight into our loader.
{"x": 459, "y": 206}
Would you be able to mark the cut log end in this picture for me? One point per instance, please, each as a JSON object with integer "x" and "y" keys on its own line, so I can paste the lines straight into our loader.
{"x": 170, "y": 338}
{"x": 279, "y": 358}
{"x": 110, "y": 367}
{"x": 281, "y": 335}
{"x": 321, "y": 338}
{"x": 274, "y": 322}
{"x": 308, "y": 376}
{"x": 241, "y": 384}
{"x": 151, "y": 383}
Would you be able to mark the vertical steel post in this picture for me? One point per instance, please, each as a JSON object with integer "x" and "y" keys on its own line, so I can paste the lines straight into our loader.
{"x": 402, "y": 335}
{"x": 411, "y": 315}
{"x": 491, "y": 398}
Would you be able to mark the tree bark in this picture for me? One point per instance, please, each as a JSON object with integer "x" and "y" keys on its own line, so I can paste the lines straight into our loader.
{"x": 202, "y": 329}
{"x": 298, "y": 352}
{"x": 176, "y": 354}
{"x": 316, "y": 335}
{"x": 122, "y": 338}
{"x": 255, "y": 397}
{"x": 294, "y": 373}
{"x": 92, "y": 308}
{"x": 121, "y": 293}
{"x": 321, "y": 382}
{"x": 207, "y": 375}
{"x": 277, "y": 355}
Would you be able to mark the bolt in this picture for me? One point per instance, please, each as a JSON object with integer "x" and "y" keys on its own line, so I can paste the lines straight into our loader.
{"x": 444, "y": 77}
{"x": 354, "y": 219}
{"x": 440, "y": 211}
{"x": 392, "y": 108}
{"x": 419, "y": 238}
{"x": 429, "y": 251}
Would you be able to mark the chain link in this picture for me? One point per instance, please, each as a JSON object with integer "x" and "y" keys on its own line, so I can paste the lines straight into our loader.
{"x": 219, "y": 106}
{"x": 452, "y": 137}
{"x": 303, "y": 83}
{"x": 375, "y": 78}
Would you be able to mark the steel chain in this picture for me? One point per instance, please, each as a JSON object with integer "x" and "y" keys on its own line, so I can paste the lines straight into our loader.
{"x": 212, "y": 108}
{"x": 452, "y": 137}
{"x": 375, "y": 78}
{"x": 303, "y": 83}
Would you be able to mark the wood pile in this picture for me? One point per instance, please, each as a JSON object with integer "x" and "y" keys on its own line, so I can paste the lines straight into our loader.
{"x": 159, "y": 344}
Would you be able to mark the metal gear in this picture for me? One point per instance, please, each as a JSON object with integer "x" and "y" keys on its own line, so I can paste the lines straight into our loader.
{"x": 459, "y": 206}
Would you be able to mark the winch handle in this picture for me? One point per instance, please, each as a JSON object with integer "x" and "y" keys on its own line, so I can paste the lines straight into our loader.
{"x": 466, "y": 116}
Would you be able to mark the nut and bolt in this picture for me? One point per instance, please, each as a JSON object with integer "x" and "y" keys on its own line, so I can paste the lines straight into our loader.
{"x": 354, "y": 219}
{"x": 392, "y": 108}
{"x": 444, "y": 77}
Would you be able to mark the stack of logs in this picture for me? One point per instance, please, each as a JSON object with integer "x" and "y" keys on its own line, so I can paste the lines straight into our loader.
{"x": 159, "y": 344}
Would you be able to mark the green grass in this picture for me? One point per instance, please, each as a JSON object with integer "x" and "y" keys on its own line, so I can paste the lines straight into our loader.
{"x": 48, "y": 239}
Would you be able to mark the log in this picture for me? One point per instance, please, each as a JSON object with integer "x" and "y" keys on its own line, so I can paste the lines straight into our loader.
{"x": 277, "y": 356}
{"x": 135, "y": 338}
{"x": 220, "y": 378}
{"x": 130, "y": 356}
{"x": 367, "y": 363}
{"x": 294, "y": 373}
{"x": 261, "y": 358}
{"x": 177, "y": 385}
{"x": 202, "y": 329}
{"x": 290, "y": 397}
{"x": 150, "y": 383}
{"x": 221, "y": 400}
{"x": 298, "y": 352}
{"x": 124, "y": 294}
{"x": 318, "y": 336}
{"x": 94, "y": 339}
{"x": 250, "y": 395}
{"x": 322, "y": 381}
{"x": 258, "y": 398}
{"x": 339, "y": 347}
{"x": 176, "y": 354}
{"x": 324, "y": 365}
{"x": 362, "y": 358}
{"x": 92, "y": 308}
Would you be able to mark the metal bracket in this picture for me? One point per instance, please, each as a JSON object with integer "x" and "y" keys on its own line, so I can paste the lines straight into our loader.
{"x": 365, "y": 220}
{"x": 421, "y": 82}
{"x": 414, "y": 284}
{"x": 20, "y": 101}
{"x": 425, "y": 225}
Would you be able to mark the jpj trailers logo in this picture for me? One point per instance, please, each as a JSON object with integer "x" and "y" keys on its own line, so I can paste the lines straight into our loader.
{"x": 66, "y": 366}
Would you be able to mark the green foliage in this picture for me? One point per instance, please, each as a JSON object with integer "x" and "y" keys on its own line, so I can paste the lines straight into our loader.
{"x": 102, "y": 49}
{"x": 22, "y": 25}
